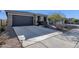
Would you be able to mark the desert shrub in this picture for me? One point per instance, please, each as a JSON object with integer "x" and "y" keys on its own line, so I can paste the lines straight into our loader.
{"x": 2, "y": 28}
{"x": 74, "y": 21}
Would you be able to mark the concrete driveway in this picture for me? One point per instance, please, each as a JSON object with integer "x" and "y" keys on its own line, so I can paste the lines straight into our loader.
{"x": 40, "y": 37}
{"x": 32, "y": 34}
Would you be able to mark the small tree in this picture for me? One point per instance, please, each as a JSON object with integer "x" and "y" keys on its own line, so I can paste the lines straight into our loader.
{"x": 56, "y": 17}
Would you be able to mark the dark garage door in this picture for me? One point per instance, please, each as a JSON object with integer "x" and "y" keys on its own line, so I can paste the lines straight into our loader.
{"x": 22, "y": 20}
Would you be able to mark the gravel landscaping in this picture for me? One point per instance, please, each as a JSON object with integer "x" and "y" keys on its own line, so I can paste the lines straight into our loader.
{"x": 8, "y": 39}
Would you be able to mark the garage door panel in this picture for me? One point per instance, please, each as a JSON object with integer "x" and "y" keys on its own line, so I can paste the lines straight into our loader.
{"x": 22, "y": 20}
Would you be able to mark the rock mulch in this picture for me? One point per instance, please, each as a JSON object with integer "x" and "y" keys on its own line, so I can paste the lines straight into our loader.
{"x": 8, "y": 39}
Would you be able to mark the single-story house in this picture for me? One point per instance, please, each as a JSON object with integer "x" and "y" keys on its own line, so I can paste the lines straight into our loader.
{"x": 16, "y": 18}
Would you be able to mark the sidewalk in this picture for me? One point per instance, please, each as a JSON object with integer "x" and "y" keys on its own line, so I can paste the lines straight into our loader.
{"x": 53, "y": 42}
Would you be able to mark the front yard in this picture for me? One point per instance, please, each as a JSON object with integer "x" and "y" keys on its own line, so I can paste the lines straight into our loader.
{"x": 8, "y": 39}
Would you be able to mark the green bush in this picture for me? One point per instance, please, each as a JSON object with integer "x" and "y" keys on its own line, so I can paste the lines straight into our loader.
{"x": 56, "y": 17}
{"x": 74, "y": 20}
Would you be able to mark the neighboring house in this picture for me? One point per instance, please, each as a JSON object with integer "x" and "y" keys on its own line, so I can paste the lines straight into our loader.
{"x": 16, "y": 18}
{"x": 69, "y": 21}
{"x": 72, "y": 21}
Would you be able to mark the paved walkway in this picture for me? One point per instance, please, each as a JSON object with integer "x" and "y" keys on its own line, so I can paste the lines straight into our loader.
{"x": 52, "y": 42}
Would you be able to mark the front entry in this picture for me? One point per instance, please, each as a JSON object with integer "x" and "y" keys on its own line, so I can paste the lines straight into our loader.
{"x": 42, "y": 21}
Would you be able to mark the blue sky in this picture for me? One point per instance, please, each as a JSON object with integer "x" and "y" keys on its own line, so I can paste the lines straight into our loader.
{"x": 3, "y": 15}
{"x": 67, "y": 13}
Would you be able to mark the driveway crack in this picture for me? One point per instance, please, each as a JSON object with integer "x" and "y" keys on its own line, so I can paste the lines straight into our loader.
{"x": 44, "y": 45}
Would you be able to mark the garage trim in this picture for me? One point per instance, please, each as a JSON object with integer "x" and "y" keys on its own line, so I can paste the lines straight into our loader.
{"x": 10, "y": 18}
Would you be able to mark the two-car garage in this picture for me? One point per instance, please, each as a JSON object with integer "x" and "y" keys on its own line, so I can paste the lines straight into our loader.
{"x": 18, "y": 20}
